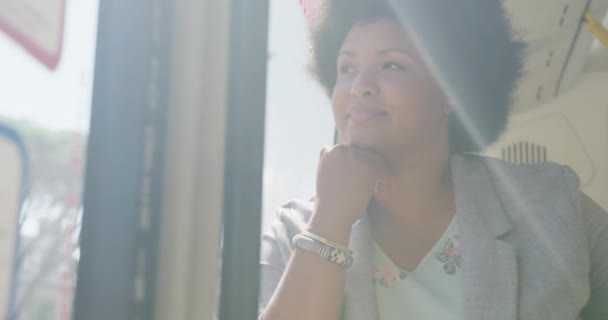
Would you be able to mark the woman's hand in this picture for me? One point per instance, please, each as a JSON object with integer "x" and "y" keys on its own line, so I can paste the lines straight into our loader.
{"x": 346, "y": 180}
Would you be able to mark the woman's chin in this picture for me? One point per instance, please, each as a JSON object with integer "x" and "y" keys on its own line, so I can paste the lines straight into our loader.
{"x": 368, "y": 143}
{"x": 369, "y": 136}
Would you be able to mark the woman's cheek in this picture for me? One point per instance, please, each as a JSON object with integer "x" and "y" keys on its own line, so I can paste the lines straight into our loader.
{"x": 340, "y": 96}
{"x": 339, "y": 102}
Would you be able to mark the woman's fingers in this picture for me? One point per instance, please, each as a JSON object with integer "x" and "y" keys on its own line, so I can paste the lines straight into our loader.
{"x": 374, "y": 160}
{"x": 346, "y": 180}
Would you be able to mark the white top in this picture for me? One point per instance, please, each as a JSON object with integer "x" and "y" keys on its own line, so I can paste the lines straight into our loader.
{"x": 431, "y": 291}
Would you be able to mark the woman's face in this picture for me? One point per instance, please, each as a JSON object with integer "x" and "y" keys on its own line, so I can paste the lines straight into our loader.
{"x": 385, "y": 98}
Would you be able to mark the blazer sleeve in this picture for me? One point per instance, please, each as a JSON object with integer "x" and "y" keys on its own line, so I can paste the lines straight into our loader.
{"x": 596, "y": 221}
{"x": 274, "y": 254}
{"x": 276, "y": 249}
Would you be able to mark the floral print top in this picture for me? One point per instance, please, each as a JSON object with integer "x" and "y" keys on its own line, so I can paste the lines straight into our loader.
{"x": 431, "y": 291}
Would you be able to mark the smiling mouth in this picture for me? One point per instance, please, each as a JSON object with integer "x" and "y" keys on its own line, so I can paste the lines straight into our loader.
{"x": 360, "y": 117}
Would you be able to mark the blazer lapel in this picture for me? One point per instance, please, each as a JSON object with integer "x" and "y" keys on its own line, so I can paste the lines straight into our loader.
{"x": 489, "y": 282}
{"x": 360, "y": 295}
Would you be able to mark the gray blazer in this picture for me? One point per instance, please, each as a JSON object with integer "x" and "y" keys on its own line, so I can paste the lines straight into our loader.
{"x": 533, "y": 246}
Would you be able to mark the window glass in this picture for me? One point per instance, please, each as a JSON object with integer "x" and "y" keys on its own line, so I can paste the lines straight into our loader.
{"x": 49, "y": 107}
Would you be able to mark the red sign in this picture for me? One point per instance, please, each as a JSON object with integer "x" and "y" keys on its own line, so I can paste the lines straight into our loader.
{"x": 37, "y": 25}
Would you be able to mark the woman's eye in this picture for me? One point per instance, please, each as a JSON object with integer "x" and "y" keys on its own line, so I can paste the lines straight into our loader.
{"x": 347, "y": 68}
{"x": 393, "y": 66}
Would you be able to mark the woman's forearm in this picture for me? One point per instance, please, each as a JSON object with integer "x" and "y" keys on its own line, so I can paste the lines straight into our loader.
{"x": 311, "y": 287}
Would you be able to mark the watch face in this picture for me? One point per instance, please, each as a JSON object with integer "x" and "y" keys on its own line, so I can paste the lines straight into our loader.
{"x": 339, "y": 256}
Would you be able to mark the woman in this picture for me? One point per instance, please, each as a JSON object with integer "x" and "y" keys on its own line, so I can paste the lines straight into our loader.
{"x": 405, "y": 224}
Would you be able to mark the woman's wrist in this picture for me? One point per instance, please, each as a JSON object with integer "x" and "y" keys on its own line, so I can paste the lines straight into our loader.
{"x": 331, "y": 229}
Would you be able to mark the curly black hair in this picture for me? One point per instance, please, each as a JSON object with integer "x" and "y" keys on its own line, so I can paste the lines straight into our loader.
{"x": 468, "y": 45}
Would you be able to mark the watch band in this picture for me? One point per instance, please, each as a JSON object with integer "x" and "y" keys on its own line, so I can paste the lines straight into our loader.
{"x": 324, "y": 249}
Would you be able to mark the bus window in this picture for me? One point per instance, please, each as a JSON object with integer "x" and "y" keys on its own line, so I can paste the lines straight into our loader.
{"x": 298, "y": 113}
{"x": 47, "y": 76}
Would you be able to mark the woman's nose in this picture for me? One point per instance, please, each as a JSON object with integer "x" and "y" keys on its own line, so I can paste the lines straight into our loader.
{"x": 364, "y": 85}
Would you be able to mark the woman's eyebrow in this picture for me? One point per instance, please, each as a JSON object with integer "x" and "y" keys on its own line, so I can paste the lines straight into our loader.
{"x": 394, "y": 50}
{"x": 379, "y": 53}
{"x": 346, "y": 53}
